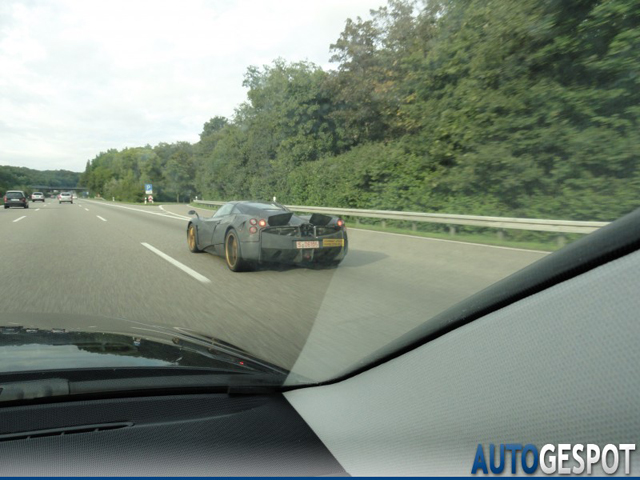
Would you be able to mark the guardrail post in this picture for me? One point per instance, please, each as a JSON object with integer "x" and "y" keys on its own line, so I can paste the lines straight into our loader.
{"x": 414, "y": 226}
{"x": 561, "y": 241}
{"x": 384, "y": 224}
{"x": 357, "y": 220}
{"x": 500, "y": 234}
{"x": 452, "y": 230}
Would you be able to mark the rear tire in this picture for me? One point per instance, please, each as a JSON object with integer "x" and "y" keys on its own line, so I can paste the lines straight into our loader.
{"x": 233, "y": 253}
{"x": 192, "y": 239}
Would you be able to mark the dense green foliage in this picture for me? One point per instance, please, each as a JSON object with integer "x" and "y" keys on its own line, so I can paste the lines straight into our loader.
{"x": 490, "y": 107}
{"x": 21, "y": 178}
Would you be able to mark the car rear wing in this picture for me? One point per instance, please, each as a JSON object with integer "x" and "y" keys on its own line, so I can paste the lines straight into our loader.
{"x": 280, "y": 219}
{"x": 320, "y": 220}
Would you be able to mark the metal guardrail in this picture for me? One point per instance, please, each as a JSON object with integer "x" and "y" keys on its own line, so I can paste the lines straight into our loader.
{"x": 533, "y": 224}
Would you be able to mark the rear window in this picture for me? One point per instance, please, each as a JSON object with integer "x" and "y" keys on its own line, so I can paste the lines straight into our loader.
{"x": 248, "y": 207}
{"x": 37, "y": 193}
{"x": 14, "y": 195}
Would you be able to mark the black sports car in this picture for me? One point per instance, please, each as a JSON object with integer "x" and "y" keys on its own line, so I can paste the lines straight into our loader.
{"x": 247, "y": 234}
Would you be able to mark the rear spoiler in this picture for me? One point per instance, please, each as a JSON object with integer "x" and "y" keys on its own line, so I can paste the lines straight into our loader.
{"x": 280, "y": 219}
{"x": 319, "y": 219}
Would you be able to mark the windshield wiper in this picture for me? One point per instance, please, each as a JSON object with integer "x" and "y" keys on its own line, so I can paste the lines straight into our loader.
{"x": 230, "y": 382}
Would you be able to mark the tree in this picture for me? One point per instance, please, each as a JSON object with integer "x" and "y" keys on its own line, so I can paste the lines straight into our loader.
{"x": 462, "y": 106}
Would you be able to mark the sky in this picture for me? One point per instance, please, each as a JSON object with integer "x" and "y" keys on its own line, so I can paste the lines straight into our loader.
{"x": 78, "y": 77}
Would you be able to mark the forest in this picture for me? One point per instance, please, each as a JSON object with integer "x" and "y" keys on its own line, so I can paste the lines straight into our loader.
{"x": 485, "y": 107}
{"x": 21, "y": 178}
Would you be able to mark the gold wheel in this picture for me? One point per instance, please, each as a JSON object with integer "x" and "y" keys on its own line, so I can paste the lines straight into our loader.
{"x": 231, "y": 251}
{"x": 191, "y": 239}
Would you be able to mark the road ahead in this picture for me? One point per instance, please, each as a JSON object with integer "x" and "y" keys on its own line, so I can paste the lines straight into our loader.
{"x": 123, "y": 261}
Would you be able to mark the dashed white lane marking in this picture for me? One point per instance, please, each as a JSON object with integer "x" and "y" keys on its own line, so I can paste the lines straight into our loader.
{"x": 37, "y": 209}
{"x": 176, "y": 263}
{"x": 103, "y": 219}
{"x": 87, "y": 209}
{"x": 18, "y": 219}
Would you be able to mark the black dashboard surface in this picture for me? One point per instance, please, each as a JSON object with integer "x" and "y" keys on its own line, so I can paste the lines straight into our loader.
{"x": 179, "y": 435}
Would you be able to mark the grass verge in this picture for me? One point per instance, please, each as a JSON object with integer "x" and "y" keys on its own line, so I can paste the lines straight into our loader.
{"x": 204, "y": 207}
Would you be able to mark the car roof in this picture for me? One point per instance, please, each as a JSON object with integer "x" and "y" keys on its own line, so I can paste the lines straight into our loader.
{"x": 258, "y": 205}
{"x": 254, "y": 202}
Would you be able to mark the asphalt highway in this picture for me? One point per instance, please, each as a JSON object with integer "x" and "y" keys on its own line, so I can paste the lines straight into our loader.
{"x": 125, "y": 261}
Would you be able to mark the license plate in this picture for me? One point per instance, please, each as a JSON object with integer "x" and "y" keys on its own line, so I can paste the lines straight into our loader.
{"x": 315, "y": 244}
{"x": 333, "y": 242}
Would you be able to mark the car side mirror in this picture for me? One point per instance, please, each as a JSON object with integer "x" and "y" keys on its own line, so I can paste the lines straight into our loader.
{"x": 193, "y": 212}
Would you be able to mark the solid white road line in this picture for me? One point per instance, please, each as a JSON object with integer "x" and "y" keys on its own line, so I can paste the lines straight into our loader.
{"x": 175, "y": 214}
{"x": 18, "y": 219}
{"x": 450, "y": 241}
{"x": 140, "y": 210}
{"x": 176, "y": 263}
{"x": 103, "y": 219}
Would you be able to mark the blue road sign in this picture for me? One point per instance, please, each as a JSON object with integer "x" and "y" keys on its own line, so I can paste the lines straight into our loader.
{"x": 148, "y": 189}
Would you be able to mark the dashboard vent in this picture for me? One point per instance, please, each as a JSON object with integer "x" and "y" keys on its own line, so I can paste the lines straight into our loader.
{"x": 56, "y": 432}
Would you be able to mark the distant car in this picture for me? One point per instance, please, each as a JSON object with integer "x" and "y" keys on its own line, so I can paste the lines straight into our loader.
{"x": 75, "y": 197}
{"x": 250, "y": 233}
{"x": 15, "y": 198}
{"x": 65, "y": 197}
{"x": 37, "y": 197}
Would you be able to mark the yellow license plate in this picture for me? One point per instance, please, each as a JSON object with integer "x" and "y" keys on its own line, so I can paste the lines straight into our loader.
{"x": 333, "y": 242}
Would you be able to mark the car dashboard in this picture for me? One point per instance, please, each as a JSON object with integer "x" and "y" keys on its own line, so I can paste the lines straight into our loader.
{"x": 176, "y": 435}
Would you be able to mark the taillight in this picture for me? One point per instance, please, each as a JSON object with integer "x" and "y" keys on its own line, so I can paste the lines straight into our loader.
{"x": 253, "y": 230}
{"x": 253, "y": 221}
{"x": 262, "y": 222}
{"x": 5, "y": 199}
{"x": 340, "y": 223}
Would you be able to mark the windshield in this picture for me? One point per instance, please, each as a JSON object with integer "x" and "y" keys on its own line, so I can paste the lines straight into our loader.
{"x": 224, "y": 210}
{"x": 386, "y": 161}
